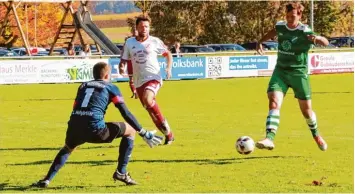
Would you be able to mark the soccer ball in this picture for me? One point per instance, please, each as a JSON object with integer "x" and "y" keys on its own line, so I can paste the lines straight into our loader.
{"x": 245, "y": 145}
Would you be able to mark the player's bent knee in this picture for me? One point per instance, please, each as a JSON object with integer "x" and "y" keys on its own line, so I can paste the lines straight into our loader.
{"x": 149, "y": 101}
{"x": 273, "y": 104}
{"x": 275, "y": 100}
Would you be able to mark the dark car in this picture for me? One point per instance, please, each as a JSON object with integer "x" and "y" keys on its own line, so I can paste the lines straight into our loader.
{"x": 272, "y": 45}
{"x": 268, "y": 45}
{"x": 95, "y": 51}
{"x": 226, "y": 47}
{"x": 19, "y": 51}
{"x": 56, "y": 51}
{"x": 77, "y": 49}
{"x": 330, "y": 46}
{"x": 7, "y": 53}
{"x": 346, "y": 41}
{"x": 195, "y": 49}
{"x": 119, "y": 46}
{"x": 42, "y": 53}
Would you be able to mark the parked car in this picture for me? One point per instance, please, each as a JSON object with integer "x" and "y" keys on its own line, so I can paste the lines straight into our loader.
{"x": 272, "y": 45}
{"x": 42, "y": 53}
{"x": 94, "y": 51}
{"x": 20, "y": 51}
{"x": 268, "y": 45}
{"x": 7, "y": 53}
{"x": 346, "y": 41}
{"x": 77, "y": 49}
{"x": 57, "y": 51}
{"x": 226, "y": 47}
{"x": 330, "y": 46}
{"x": 195, "y": 49}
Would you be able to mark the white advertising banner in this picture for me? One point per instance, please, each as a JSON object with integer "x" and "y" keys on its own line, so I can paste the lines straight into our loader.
{"x": 19, "y": 71}
{"x": 80, "y": 70}
{"x": 47, "y": 71}
{"x": 245, "y": 66}
{"x": 236, "y": 66}
{"x": 320, "y": 63}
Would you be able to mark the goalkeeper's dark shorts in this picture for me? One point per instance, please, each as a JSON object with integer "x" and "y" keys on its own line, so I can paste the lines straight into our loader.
{"x": 77, "y": 135}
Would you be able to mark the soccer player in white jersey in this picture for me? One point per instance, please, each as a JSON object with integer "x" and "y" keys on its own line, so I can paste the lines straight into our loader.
{"x": 143, "y": 51}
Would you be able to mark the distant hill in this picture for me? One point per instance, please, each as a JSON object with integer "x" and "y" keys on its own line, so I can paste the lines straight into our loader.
{"x": 112, "y": 7}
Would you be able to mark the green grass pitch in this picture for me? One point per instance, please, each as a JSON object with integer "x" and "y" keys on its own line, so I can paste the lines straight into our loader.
{"x": 207, "y": 117}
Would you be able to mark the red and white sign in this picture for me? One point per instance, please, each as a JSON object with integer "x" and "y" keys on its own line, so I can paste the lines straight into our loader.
{"x": 331, "y": 63}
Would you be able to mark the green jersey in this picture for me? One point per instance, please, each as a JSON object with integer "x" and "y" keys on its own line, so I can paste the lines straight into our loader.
{"x": 293, "y": 47}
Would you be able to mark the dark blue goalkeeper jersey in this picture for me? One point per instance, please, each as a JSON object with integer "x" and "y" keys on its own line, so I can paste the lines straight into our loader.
{"x": 91, "y": 103}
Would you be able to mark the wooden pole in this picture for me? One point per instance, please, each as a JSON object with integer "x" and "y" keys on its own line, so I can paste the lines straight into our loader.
{"x": 67, "y": 9}
{"x": 20, "y": 28}
{"x": 3, "y": 23}
{"x": 36, "y": 25}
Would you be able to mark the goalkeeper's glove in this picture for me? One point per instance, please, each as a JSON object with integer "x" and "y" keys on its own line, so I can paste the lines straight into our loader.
{"x": 150, "y": 138}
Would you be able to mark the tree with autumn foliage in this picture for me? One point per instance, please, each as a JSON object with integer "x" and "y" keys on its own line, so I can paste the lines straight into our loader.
{"x": 48, "y": 17}
{"x": 202, "y": 22}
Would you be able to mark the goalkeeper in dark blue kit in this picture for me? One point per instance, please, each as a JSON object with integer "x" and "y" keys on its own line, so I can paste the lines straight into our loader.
{"x": 87, "y": 124}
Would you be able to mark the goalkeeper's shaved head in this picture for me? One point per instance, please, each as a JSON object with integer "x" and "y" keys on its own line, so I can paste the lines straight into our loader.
{"x": 100, "y": 70}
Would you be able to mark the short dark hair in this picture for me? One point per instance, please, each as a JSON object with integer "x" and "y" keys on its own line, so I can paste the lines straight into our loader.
{"x": 295, "y": 5}
{"x": 142, "y": 19}
{"x": 100, "y": 70}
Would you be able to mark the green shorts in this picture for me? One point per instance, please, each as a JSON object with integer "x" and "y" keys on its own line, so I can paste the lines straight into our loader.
{"x": 281, "y": 80}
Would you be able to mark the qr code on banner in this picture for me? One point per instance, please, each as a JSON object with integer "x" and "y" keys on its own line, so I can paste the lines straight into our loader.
{"x": 214, "y": 66}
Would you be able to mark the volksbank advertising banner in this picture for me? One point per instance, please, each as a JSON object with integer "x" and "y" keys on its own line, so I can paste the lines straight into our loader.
{"x": 182, "y": 68}
{"x": 185, "y": 68}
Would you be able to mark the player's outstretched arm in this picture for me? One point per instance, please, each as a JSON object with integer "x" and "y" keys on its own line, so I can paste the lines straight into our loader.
{"x": 319, "y": 40}
{"x": 124, "y": 58}
{"x": 127, "y": 116}
{"x": 259, "y": 47}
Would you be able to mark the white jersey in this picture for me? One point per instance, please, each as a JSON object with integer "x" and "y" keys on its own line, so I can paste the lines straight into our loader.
{"x": 144, "y": 57}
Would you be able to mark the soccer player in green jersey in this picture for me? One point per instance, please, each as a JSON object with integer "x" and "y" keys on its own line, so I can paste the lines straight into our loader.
{"x": 295, "y": 40}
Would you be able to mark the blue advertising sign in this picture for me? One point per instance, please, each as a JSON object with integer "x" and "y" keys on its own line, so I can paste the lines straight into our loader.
{"x": 182, "y": 68}
{"x": 185, "y": 68}
{"x": 248, "y": 63}
{"x": 115, "y": 74}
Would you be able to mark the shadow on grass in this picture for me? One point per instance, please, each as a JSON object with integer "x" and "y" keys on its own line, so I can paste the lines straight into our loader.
{"x": 40, "y": 99}
{"x": 7, "y": 187}
{"x": 332, "y": 92}
{"x": 55, "y": 148}
{"x": 220, "y": 161}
